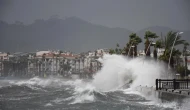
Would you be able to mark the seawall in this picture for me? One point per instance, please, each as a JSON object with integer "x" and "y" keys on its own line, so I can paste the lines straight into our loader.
{"x": 164, "y": 95}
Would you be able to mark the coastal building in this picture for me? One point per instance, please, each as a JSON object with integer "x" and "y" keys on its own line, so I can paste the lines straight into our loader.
{"x": 4, "y": 56}
{"x": 142, "y": 53}
{"x": 51, "y": 62}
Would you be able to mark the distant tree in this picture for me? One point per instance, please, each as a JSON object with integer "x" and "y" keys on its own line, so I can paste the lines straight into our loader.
{"x": 60, "y": 52}
{"x": 117, "y": 45}
{"x": 117, "y": 50}
{"x": 181, "y": 70}
{"x": 8, "y": 53}
{"x": 111, "y": 51}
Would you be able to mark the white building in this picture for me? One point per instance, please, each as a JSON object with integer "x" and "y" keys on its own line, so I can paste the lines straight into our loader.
{"x": 159, "y": 53}
{"x": 42, "y": 52}
{"x": 50, "y": 61}
{"x": 4, "y": 56}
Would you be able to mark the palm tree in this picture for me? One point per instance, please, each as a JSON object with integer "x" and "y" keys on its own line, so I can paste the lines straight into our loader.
{"x": 148, "y": 36}
{"x": 168, "y": 43}
{"x": 169, "y": 40}
{"x": 134, "y": 40}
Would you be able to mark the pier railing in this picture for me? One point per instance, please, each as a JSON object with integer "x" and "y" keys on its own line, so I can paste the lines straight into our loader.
{"x": 172, "y": 84}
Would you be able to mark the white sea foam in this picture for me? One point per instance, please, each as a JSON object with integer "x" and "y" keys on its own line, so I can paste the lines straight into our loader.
{"x": 118, "y": 70}
{"x": 185, "y": 104}
{"x": 173, "y": 105}
{"x": 131, "y": 91}
{"x": 48, "y": 104}
{"x": 83, "y": 94}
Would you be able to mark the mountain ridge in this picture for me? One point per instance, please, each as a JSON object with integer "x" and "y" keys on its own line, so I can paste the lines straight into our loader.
{"x": 71, "y": 33}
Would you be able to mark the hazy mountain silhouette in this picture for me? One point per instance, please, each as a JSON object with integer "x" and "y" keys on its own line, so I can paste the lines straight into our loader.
{"x": 72, "y": 34}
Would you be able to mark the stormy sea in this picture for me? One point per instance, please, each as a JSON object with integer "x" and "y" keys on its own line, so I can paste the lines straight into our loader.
{"x": 114, "y": 87}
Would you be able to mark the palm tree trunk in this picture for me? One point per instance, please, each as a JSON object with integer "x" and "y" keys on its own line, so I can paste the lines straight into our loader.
{"x": 147, "y": 48}
{"x": 135, "y": 49}
{"x": 155, "y": 53}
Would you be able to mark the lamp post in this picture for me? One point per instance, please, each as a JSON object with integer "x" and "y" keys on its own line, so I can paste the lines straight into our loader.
{"x": 172, "y": 48}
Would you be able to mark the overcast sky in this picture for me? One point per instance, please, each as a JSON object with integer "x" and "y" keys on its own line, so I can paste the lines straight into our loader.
{"x": 131, "y": 14}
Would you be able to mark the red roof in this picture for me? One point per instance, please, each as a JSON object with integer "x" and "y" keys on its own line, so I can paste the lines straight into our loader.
{"x": 59, "y": 55}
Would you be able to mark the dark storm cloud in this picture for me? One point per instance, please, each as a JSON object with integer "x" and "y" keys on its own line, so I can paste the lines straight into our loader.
{"x": 4, "y": 5}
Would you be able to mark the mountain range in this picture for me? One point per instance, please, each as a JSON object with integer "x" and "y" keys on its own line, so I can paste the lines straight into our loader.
{"x": 73, "y": 34}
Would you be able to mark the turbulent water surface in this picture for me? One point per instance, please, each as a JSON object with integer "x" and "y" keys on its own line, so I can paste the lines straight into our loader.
{"x": 101, "y": 93}
{"x": 60, "y": 94}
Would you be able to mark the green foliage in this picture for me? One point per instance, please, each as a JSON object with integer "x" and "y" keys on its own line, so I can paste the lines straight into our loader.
{"x": 186, "y": 44}
{"x": 181, "y": 70}
{"x": 170, "y": 38}
{"x": 165, "y": 57}
{"x": 116, "y": 50}
{"x": 134, "y": 39}
{"x": 112, "y": 51}
{"x": 117, "y": 45}
{"x": 60, "y": 52}
{"x": 120, "y": 51}
{"x": 168, "y": 43}
{"x": 149, "y": 34}
{"x": 159, "y": 44}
